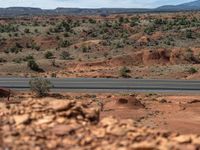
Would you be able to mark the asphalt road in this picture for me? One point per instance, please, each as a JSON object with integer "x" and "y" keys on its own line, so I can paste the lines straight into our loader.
{"x": 72, "y": 84}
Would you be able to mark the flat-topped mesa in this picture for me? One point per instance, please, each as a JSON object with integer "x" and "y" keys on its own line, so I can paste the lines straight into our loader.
{"x": 5, "y": 93}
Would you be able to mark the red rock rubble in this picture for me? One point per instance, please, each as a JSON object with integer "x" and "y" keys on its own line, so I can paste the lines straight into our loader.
{"x": 59, "y": 124}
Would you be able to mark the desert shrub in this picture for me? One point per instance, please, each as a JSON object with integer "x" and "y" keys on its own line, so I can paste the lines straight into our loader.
{"x": 26, "y": 30}
{"x": 29, "y": 57}
{"x": 53, "y": 75}
{"x": 34, "y": 46}
{"x": 133, "y": 23}
{"x": 35, "y": 24}
{"x": 48, "y": 33}
{"x": 40, "y": 86}
{"x": 76, "y": 24}
{"x": 48, "y": 55}
{"x": 16, "y": 34}
{"x": 192, "y": 70}
{"x": 121, "y": 19}
{"x": 105, "y": 54}
{"x": 2, "y": 60}
{"x": 6, "y": 51}
{"x": 17, "y": 60}
{"x": 8, "y": 28}
{"x": 28, "y": 45}
{"x": 182, "y": 21}
{"x": 57, "y": 37}
{"x": 66, "y": 34}
{"x": 65, "y": 26}
{"x": 51, "y": 30}
{"x": 160, "y": 21}
{"x": 124, "y": 71}
{"x": 18, "y": 45}
{"x": 64, "y": 43}
{"x": 33, "y": 65}
{"x": 53, "y": 63}
{"x": 149, "y": 30}
{"x": 189, "y": 56}
{"x": 36, "y": 30}
{"x": 92, "y": 21}
{"x": 119, "y": 43}
{"x": 188, "y": 34}
{"x": 169, "y": 41}
{"x": 116, "y": 25}
{"x": 65, "y": 55}
{"x": 126, "y": 20}
{"x": 61, "y": 27}
{"x": 86, "y": 49}
{"x": 16, "y": 49}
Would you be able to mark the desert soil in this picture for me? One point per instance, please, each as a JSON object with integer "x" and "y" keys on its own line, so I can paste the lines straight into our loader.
{"x": 100, "y": 121}
{"x": 164, "y": 46}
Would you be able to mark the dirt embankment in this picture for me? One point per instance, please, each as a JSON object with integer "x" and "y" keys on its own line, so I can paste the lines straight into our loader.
{"x": 147, "y": 58}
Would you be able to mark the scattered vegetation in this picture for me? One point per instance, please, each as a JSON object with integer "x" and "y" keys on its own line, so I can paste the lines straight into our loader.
{"x": 98, "y": 39}
{"x": 8, "y": 28}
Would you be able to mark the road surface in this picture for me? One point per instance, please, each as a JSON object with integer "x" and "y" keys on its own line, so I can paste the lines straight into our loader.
{"x": 89, "y": 84}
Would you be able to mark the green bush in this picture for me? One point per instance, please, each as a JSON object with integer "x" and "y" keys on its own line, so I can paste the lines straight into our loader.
{"x": 189, "y": 34}
{"x": 192, "y": 70}
{"x": 29, "y": 57}
{"x": 65, "y": 55}
{"x": 48, "y": 55}
{"x": 149, "y": 30}
{"x": 61, "y": 27}
{"x": 33, "y": 46}
{"x": 86, "y": 49}
{"x": 8, "y": 28}
{"x": 33, "y": 65}
{"x": 40, "y": 86}
{"x": 64, "y": 43}
{"x": 15, "y": 49}
{"x": 92, "y": 21}
{"x": 121, "y": 19}
{"x": 26, "y": 30}
{"x": 132, "y": 24}
{"x": 2, "y": 60}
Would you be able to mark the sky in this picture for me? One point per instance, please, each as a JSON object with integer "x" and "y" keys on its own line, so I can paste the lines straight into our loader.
{"x": 51, "y": 4}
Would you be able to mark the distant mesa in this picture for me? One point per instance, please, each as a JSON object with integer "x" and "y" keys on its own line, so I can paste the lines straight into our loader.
{"x": 28, "y": 11}
{"x": 194, "y": 5}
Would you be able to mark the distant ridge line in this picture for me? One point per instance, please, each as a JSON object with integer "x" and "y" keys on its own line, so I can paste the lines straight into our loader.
{"x": 31, "y": 11}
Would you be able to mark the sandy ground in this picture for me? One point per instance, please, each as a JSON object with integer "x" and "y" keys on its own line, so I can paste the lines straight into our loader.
{"x": 173, "y": 113}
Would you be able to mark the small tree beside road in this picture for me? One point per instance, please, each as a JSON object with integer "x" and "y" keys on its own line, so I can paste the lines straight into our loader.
{"x": 40, "y": 86}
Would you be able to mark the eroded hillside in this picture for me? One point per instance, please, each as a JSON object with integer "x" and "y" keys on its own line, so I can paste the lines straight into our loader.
{"x": 138, "y": 46}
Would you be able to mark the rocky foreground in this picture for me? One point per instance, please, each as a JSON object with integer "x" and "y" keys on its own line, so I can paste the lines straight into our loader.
{"x": 58, "y": 124}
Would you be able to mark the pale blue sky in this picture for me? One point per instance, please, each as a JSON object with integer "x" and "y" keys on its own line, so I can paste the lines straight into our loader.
{"x": 49, "y": 4}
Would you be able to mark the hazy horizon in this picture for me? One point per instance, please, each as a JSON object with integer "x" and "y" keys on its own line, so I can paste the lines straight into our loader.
{"x": 52, "y": 4}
